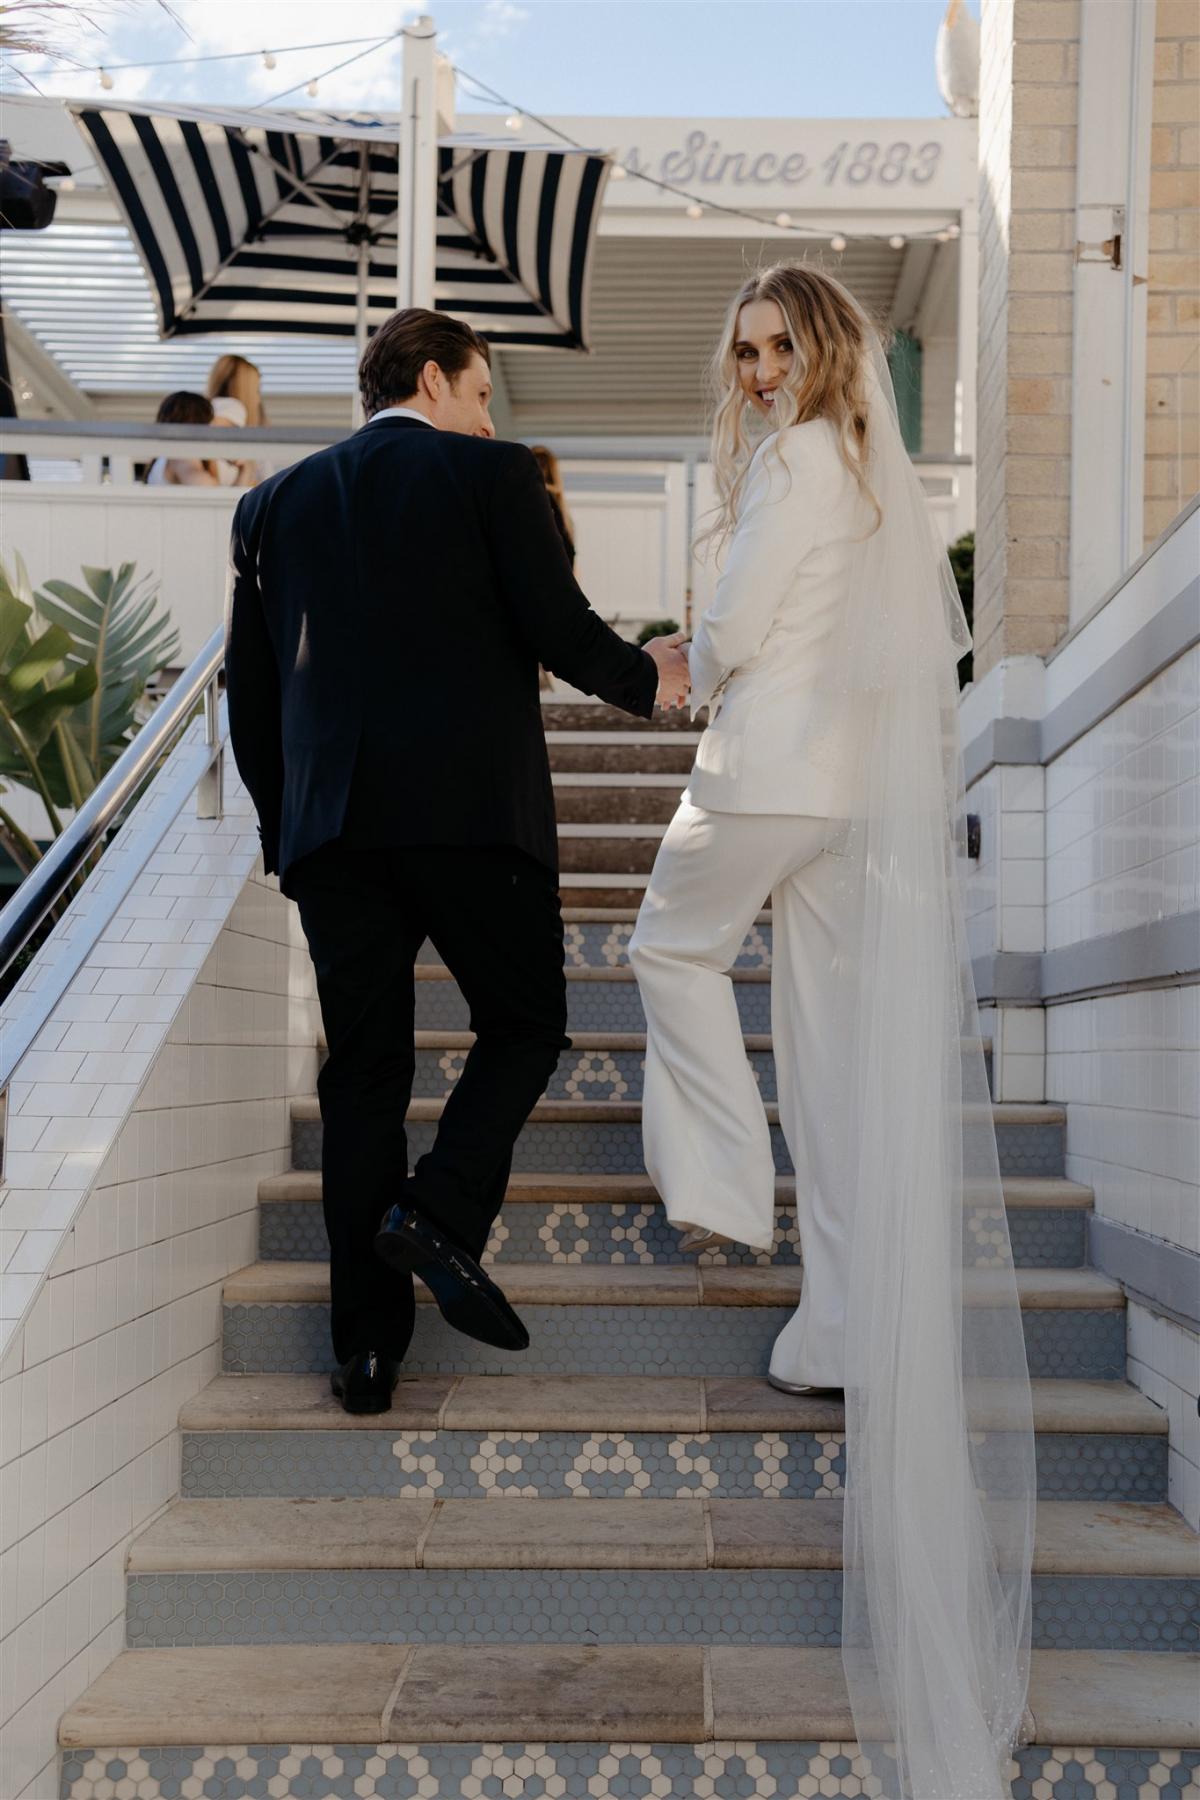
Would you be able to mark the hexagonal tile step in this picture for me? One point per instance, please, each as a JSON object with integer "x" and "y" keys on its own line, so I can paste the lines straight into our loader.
{"x": 597, "y": 937}
{"x": 550, "y": 1571}
{"x": 779, "y": 1770}
{"x": 595, "y": 1437}
{"x": 636, "y": 1319}
{"x": 617, "y": 1220}
{"x": 605, "y": 1137}
{"x": 517, "y": 1693}
{"x": 600, "y": 997}
{"x": 582, "y": 753}
{"x": 446, "y": 1605}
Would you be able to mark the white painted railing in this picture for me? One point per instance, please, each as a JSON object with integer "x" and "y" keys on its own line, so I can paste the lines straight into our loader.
{"x": 635, "y": 504}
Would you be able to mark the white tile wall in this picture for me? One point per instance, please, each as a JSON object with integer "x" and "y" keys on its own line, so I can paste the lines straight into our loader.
{"x": 1006, "y": 891}
{"x": 1164, "y": 1360}
{"x": 1123, "y": 814}
{"x": 140, "y": 1125}
{"x": 1128, "y": 1068}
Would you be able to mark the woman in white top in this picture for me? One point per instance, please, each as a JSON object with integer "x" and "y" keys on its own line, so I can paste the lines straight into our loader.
{"x": 828, "y": 780}
{"x": 183, "y": 408}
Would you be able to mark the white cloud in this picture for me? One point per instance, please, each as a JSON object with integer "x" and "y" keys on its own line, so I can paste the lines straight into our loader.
{"x": 500, "y": 19}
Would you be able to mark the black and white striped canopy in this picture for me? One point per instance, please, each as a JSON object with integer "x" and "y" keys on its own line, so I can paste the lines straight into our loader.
{"x": 270, "y": 224}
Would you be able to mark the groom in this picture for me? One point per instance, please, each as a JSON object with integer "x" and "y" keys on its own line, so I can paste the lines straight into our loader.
{"x": 391, "y": 600}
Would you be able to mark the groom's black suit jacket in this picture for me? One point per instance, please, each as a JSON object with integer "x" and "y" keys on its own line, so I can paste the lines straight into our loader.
{"x": 391, "y": 600}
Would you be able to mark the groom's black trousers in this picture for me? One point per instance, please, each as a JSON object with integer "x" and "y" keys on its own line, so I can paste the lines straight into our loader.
{"x": 493, "y": 916}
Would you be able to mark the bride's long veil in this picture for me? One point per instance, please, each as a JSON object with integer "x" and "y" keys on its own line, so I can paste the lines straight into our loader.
{"x": 941, "y": 1485}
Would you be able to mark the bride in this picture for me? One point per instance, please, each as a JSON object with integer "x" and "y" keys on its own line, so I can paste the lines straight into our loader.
{"x": 829, "y": 779}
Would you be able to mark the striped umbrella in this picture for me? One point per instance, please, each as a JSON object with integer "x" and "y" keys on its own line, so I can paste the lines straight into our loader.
{"x": 288, "y": 222}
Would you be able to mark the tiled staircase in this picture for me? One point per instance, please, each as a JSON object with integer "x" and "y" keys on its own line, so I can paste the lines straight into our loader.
{"x": 609, "y": 1566}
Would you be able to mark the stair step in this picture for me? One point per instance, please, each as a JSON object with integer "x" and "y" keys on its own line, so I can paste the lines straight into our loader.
{"x": 604, "y": 1436}
{"x": 635, "y": 1284}
{"x": 1054, "y": 1192}
{"x": 514, "y": 1694}
{"x": 589, "y": 753}
{"x": 575, "y": 1136}
{"x": 595, "y": 718}
{"x": 1073, "y": 1537}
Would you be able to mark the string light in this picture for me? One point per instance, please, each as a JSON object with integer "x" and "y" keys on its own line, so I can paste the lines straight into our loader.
{"x": 270, "y": 60}
{"x": 514, "y": 122}
{"x": 896, "y": 241}
{"x": 619, "y": 172}
{"x": 952, "y": 231}
{"x": 313, "y": 88}
{"x": 837, "y": 243}
{"x": 106, "y": 80}
{"x": 695, "y": 210}
{"x": 783, "y": 218}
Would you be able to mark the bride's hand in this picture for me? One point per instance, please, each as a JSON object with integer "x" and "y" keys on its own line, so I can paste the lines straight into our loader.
{"x": 674, "y": 676}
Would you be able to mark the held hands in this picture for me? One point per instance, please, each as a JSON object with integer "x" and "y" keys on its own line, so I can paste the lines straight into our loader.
{"x": 669, "y": 656}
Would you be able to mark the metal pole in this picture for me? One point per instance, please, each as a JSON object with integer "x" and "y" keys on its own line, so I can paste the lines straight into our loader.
{"x": 417, "y": 175}
{"x": 360, "y": 325}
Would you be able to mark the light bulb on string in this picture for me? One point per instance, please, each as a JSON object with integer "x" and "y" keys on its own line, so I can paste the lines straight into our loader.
{"x": 513, "y": 122}
{"x": 837, "y": 243}
{"x": 106, "y": 80}
{"x": 953, "y": 231}
{"x": 783, "y": 218}
{"x": 896, "y": 242}
{"x": 312, "y": 89}
{"x": 270, "y": 60}
{"x": 943, "y": 237}
{"x": 619, "y": 172}
{"x": 695, "y": 210}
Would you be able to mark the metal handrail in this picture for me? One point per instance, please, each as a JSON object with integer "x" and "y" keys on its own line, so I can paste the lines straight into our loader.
{"x": 46, "y": 883}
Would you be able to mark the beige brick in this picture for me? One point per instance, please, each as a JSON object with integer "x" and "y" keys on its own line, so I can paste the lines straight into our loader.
{"x": 1187, "y": 226}
{"x": 1038, "y": 475}
{"x": 1042, "y": 147}
{"x": 1160, "y": 394}
{"x": 1034, "y": 436}
{"x": 1038, "y": 394}
{"x": 1036, "y": 599}
{"x": 1189, "y": 62}
{"x": 1042, "y": 231}
{"x": 1171, "y": 188}
{"x": 1041, "y": 272}
{"x": 1032, "y": 559}
{"x": 1034, "y": 637}
{"x": 1053, "y": 19}
{"x": 1167, "y": 271}
{"x": 1164, "y": 146}
{"x": 1164, "y": 231}
{"x": 1165, "y": 355}
{"x": 1166, "y": 61}
{"x": 1160, "y": 312}
{"x": 1032, "y": 517}
{"x": 1189, "y": 146}
{"x": 1039, "y": 355}
{"x": 1035, "y": 104}
{"x": 1175, "y": 103}
{"x": 1175, "y": 19}
{"x": 1040, "y": 313}
{"x": 1038, "y": 189}
{"x": 1038, "y": 62}
{"x": 1071, "y": 62}
{"x": 1173, "y": 436}
{"x": 1187, "y": 310}
{"x": 1172, "y": 478}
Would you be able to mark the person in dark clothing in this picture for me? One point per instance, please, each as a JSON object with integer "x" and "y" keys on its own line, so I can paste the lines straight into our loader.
{"x": 390, "y": 601}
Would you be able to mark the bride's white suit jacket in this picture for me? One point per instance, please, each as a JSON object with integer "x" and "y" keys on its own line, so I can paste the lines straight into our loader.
{"x": 760, "y": 650}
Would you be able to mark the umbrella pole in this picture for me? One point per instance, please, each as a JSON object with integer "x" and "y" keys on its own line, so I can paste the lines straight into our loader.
{"x": 360, "y": 325}
{"x": 416, "y": 222}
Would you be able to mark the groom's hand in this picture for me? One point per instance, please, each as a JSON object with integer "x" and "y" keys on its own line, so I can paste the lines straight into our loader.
{"x": 669, "y": 656}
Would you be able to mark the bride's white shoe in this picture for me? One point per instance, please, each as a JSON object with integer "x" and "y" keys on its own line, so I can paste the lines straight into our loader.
{"x": 805, "y": 1390}
{"x": 696, "y": 1238}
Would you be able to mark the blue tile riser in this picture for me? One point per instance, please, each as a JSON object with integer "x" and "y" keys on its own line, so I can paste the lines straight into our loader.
{"x": 591, "y": 1006}
{"x": 587, "y": 1606}
{"x": 289, "y": 1337}
{"x": 624, "y": 1233}
{"x": 424, "y": 1462}
{"x": 547, "y": 1147}
{"x": 708, "y": 1771}
{"x": 602, "y": 944}
{"x": 581, "y": 1074}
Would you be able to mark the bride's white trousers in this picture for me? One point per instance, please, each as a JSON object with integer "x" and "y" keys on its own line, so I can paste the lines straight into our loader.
{"x": 707, "y": 1142}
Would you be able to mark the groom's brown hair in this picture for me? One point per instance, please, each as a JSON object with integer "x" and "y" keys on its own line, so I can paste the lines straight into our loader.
{"x": 392, "y": 362}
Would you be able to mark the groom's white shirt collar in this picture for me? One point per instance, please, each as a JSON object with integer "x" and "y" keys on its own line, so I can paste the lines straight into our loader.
{"x": 401, "y": 412}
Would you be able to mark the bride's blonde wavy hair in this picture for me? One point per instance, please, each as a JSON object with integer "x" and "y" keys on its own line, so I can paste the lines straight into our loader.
{"x": 832, "y": 339}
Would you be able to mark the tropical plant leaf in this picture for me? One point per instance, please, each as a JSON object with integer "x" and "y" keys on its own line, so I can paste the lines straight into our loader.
{"x": 37, "y": 689}
{"x": 114, "y": 624}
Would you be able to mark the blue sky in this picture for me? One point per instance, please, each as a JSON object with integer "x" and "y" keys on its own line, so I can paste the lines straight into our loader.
{"x": 743, "y": 58}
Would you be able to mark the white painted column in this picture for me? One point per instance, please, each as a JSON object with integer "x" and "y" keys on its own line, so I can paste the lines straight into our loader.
{"x": 416, "y": 223}
{"x": 967, "y": 382}
{"x": 1108, "y": 398}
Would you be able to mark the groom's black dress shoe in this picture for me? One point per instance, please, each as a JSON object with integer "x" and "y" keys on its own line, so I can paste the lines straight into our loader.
{"x": 468, "y": 1299}
{"x": 364, "y": 1382}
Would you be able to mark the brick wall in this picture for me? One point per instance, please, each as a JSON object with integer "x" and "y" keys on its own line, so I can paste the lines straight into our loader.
{"x": 1027, "y": 211}
{"x": 1173, "y": 301}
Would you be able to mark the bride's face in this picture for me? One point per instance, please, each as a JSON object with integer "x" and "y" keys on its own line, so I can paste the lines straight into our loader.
{"x": 763, "y": 352}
